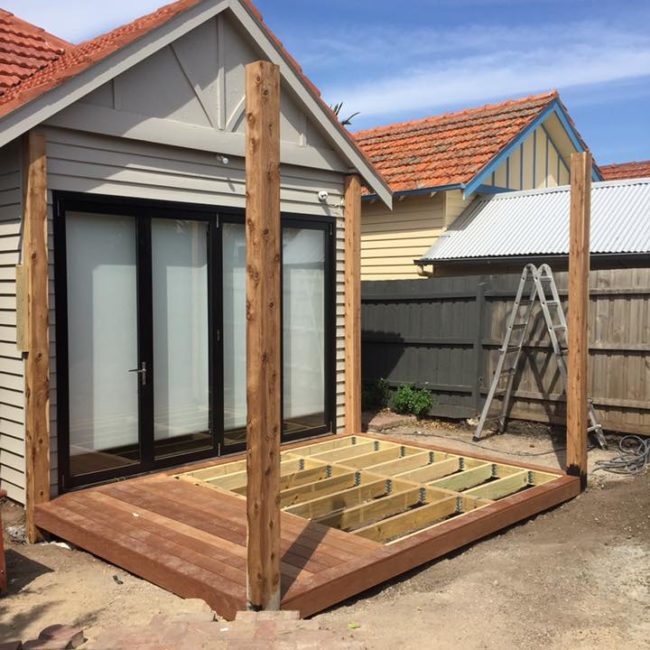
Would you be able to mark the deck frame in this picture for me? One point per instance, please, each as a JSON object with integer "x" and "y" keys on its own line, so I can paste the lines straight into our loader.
{"x": 189, "y": 537}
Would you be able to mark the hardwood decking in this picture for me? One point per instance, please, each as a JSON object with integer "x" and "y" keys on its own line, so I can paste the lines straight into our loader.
{"x": 399, "y": 505}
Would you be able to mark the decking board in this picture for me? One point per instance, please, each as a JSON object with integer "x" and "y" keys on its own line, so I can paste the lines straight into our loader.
{"x": 190, "y": 538}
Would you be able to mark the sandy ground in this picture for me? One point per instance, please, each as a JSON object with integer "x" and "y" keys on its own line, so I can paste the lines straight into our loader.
{"x": 575, "y": 577}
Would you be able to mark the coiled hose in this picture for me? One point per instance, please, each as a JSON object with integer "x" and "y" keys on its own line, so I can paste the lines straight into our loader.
{"x": 635, "y": 455}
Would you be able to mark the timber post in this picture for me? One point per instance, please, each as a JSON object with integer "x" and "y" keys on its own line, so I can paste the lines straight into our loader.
{"x": 577, "y": 366}
{"x": 263, "y": 334}
{"x": 352, "y": 208}
{"x": 36, "y": 336}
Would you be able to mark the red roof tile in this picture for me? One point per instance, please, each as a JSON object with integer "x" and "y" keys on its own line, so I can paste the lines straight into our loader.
{"x": 24, "y": 50}
{"x": 618, "y": 171}
{"x": 448, "y": 149}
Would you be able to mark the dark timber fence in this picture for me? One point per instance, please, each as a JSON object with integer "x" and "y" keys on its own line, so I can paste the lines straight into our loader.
{"x": 444, "y": 334}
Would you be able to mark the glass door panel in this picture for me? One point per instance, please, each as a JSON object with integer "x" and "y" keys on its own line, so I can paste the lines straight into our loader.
{"x": 102, "y": 342}
{"x": 181, "y": 347}
{"x": 303, "y": 324}
{"x": 234, "y": 333}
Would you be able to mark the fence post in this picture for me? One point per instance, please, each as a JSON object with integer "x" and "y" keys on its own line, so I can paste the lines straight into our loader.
{"x": 478, "y": 342}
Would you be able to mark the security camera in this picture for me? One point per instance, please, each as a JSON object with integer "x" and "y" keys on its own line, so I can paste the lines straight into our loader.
{"x": 223, "y": 159}
{"x": 323, "y": 196}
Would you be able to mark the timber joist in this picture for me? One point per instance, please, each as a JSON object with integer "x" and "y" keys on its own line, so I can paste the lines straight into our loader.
{"x": 380, "y": 490}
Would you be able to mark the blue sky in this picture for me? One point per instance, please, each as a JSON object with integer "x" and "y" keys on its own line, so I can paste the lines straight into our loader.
{"x": 396, "y": 61}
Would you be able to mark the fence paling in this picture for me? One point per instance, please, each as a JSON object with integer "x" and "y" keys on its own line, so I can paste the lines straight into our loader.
{"x": 445, "y": 333}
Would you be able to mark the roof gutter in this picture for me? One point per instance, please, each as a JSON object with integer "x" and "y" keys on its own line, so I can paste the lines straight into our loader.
{"x": 421, "y": 191}
{"x": 505, "y": 259}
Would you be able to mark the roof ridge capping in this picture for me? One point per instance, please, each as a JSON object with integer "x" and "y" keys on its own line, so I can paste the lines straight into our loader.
{"x": 549, "y": 96}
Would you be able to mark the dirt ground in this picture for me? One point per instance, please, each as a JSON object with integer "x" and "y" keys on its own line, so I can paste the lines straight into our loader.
{"x": 575, "y": 577}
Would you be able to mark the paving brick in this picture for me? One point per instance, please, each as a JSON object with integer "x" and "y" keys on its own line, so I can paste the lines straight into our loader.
{"x": 73, "y": 636}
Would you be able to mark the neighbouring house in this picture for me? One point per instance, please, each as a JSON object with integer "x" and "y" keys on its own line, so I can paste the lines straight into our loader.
{"x": 435, "y": 166}
{"x": 616, "y": 171}
{"x": 144, "y": 131}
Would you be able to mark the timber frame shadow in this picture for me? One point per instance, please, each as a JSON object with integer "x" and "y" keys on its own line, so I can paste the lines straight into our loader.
{"x": 185, "y": 530}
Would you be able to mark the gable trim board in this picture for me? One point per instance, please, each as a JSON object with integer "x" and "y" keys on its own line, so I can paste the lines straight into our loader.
{"x": 555, "y": 108}
{"x": 47, "y": 104}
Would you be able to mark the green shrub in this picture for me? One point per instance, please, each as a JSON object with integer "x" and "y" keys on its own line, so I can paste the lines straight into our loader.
{"x": 412, "y": 400}
{"x": 375, "y": 395}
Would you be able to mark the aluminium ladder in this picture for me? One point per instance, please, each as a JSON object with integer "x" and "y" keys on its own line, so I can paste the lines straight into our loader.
{"x": 534, "y": 285}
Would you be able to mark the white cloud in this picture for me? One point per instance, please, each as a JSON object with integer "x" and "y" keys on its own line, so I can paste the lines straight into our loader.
{"x": 426, "y": 70}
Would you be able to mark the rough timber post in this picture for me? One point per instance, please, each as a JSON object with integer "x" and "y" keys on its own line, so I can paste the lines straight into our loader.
{"x": 353, "y": 304}
{"x": 37, "y": 362}
{"x": 263, "y": 311}
{"x": 577, "y": 406}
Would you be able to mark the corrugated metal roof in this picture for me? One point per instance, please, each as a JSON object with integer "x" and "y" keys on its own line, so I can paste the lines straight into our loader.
{"x": 536, "y": 222}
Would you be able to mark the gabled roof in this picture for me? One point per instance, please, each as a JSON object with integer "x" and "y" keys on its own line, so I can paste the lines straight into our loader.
{"x": 454, "y": 149}
{"x": 61, "y": 62}
{"x": 535, "y": 223}
{"x": 635, "y": 169}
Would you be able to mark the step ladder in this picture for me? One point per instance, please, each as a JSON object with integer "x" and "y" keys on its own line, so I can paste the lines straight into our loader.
{"x": 535, "y": 284}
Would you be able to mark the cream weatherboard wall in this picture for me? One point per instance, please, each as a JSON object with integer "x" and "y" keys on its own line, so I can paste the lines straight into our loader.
{"x": 390, "y": 241}
{"x": 535, "y": 164}
{"x": 160, "y": 131}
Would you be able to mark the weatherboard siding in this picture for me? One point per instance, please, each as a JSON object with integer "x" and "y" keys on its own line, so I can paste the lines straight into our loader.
{"x": 534, "y": 164}
{"x": 82, "y": 162}
{"x": 390, "y": 241}
{"x": 12, "y": 376}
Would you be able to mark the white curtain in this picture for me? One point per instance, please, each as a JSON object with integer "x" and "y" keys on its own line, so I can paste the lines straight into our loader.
{"x": 234, "y": 326}
{"x": 303, "y": 278}
{"x": 102, "y": 331}
{"x": 180, "y": 327}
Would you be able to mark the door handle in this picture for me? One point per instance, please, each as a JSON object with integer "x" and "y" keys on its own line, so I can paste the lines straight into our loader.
{"x": 142, "y": 371}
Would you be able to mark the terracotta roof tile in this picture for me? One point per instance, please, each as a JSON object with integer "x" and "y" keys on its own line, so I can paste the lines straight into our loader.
{"x": 619, "y": 171}
{"x": 448, "y": 149}
{"x": 24, "y": 50}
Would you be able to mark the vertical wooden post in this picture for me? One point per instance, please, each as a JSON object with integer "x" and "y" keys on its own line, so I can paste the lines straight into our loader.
{"x": 263, "y": 333}
{"x": 576, "y": 392}
{"x": 353, "y": 304}
{"x": 37, "y": 363}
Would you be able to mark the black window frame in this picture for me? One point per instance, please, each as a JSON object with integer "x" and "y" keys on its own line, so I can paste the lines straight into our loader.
{"x": 143, "y": 211}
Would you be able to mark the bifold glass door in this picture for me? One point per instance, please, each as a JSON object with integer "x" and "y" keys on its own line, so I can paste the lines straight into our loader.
{"x": 102, "y": 319}
{"x": 138, "y": 345}
{"x": 151, "y": 335}
{"x": 181, "y": 346}
{"x": 307, "y": 340}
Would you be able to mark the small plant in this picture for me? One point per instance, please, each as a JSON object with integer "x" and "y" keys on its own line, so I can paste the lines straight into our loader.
{"x": 345, "y": 121}
{"x": 412, "y": 400}
{"x": 375, "y": 395}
